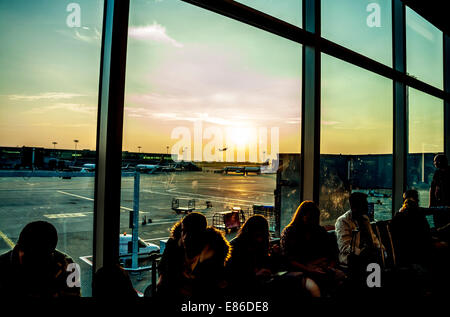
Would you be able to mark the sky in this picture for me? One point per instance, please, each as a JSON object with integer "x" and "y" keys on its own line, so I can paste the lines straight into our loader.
{"x": 187, "y": 67}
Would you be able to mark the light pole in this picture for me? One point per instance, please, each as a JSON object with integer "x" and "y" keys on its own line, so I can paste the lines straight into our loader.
{"x": 139, "y": 149}
{"x": 167, "y": 147}
{"x": 76, "y": 142}
{"x": 54, "y": 144}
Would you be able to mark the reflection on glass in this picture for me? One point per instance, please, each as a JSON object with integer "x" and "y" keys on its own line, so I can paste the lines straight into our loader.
{"x": 362, "y": 26}
{"x": 356, "y": 139}
{"x": 424, "y": 50}
{"x": 426, "y": 138}
{"x": 208, "y": 108}
{"x": 49, "y": 61}
{"x": 286, "y": 10}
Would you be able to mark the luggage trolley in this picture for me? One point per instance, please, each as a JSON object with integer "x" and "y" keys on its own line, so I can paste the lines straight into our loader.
{"x": 176, "y": 206}
{"x": 229, "y": 220}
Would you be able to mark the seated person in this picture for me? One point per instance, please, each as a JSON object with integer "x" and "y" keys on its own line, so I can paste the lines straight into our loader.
{"x": 113, "y": 282}
{"x": 438, "y": 233}
{"x": 193, "y": 261}
{"x": 252, "y": 269}
{"x": 410, "y": 194}
{"x": 34, "y": 268}
{"x": 309, "y": 248}
{"x": 366, "y": 244}
{"x": 411, "y": 234}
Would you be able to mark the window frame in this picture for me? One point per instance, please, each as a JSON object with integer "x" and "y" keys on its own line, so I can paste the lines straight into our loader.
{"x": 112, "y": 90}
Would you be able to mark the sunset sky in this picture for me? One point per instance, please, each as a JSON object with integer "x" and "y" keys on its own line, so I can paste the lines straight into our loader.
{"x": 187, "y": 65}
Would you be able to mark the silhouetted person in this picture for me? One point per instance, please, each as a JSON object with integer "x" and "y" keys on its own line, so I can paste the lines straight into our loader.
{"x": 411, "y": 234}
{"x": 194, "y": 259}
{"x": 249, "y": 260}
{"x": 252, "y": 270}
{"x": 440, "y": 185}
{"x": 113, "y": 282}
{"x": 365, "y": 243}
{"x": 309, "y": 248}
{"x": 34, "y": 268}
{"x": 440, "y": 190}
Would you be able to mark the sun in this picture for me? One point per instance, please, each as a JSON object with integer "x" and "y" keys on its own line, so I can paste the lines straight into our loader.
{"x": 240, "y": 136}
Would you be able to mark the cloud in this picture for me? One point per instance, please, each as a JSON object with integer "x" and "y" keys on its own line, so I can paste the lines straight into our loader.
{"x": 154, "y": 33}
{"x": 208, "y": 84}
{"x": 73, "y": 107}
{"x": 330, "y": 122}
{"x": 87, "y": 35}
{"x": 46, "y": 96}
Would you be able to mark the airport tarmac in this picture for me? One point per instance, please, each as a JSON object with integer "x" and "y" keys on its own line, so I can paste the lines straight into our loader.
{"x": 68, "y": 205}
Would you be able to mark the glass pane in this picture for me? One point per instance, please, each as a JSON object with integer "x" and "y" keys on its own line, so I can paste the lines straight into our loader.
{"x": 424, "y": 50}
{"x": 426, "y": 138}
{"x": 50, "y": 62}
{"x": 356, "y": 139}
{"x": 362, "y": 26}
{"x": 286, "y": 10}
{"x": 205, "y": 119}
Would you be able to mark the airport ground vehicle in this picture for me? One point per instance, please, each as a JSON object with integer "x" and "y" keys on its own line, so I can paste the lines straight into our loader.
{"x": 126, "y": 246}
{"x": 176, "y": 206}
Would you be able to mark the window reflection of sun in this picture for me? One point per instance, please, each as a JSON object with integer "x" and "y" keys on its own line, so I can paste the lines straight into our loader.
{"x": 241, "y": 137}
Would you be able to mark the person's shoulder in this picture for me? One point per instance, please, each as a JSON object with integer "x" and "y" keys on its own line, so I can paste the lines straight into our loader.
{"x": 63, "y": 258}
{"x": 288, "y": 230}
{"x": 344, "y": 217}
{"x": 215, "y": 234}
{"x": 321, "y": 230}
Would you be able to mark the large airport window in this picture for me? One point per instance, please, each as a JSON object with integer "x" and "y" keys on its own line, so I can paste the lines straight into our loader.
{"x": 424, "y": 50}
{"x": 287, "y": 10}
{"x": 50, "y": 62}
{"x": 426, "y": 138}
{"x": 356, "y": 139}
{"x": 212, "y": 108}
{"x": 363, "y": 26}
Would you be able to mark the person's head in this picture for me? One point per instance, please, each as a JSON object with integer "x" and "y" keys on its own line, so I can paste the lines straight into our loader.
{"x": 255, "y": 230}
{"x": 411, "y": 194}
{"x": 409, "y": 204}
{"x": 193, "y": 227}
{"x": 306, "y": 214}
{"x": 440, "y": 161}
{"x": 358, "y": 204}
{"x": 113, "y": 282}
{"x": 37, "y": 241}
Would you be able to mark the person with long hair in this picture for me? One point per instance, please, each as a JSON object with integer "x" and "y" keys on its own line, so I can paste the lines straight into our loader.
{"x": 308, "y": 247}
{"x": 252, "y": 269}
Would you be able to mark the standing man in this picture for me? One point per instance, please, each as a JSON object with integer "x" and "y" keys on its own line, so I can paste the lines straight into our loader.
{"x": 440, "y": 185}
{"x": 440, "y": 191}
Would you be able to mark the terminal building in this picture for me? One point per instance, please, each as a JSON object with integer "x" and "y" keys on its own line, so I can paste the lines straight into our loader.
{"x": 319, "y": 98}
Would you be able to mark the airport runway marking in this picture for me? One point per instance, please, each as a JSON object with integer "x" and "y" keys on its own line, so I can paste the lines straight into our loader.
{"x": 91, "y": 199}
{"x": 85, "y": 259}
{"x": 7, "y": 240}
{"x": 163, "y": 238}
{"x": 67, "y": 215}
